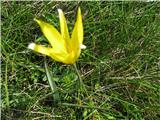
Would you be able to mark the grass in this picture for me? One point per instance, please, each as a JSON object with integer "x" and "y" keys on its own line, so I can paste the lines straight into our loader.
{"x": 120, "y": 67}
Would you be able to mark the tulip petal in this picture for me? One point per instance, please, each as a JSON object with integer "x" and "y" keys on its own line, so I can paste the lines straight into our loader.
{"x": 78, "y": 28}
{"x": 64, "y": 29}
{"x": 39, "y": 48}
{"x": 77, "y": 35}
{"x": 52, "y": 35}
{"x": 61, "y": 57}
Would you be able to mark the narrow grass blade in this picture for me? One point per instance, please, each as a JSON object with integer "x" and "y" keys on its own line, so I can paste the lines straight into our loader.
{"x": 52, "y": 84}
{"x": 6, "y": 85}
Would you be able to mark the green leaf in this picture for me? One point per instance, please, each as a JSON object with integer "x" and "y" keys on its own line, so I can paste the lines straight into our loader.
{"x": 52, "y": 84}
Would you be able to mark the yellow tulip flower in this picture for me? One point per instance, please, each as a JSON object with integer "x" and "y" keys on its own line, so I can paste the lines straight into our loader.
{"x": 63, "y": 48}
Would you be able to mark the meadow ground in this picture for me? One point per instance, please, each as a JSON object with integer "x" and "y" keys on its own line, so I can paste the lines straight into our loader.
{"x": 120, "y": 67}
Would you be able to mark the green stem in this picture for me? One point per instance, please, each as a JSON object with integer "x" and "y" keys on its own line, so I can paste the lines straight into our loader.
{"x": 81, "y": 85}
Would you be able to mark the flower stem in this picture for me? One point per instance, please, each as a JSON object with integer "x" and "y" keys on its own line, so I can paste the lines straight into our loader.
{"x": 81, "y": 85}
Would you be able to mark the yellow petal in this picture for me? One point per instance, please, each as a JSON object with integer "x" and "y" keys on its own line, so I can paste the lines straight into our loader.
{"x": 39, "y": 48}
{"x": 77, "y": 35}
{"x": 52, "y": 35}
{"x": 79, "y": 26}
{"x": 61, "y": 57}
{"x": 64, "y": 29}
